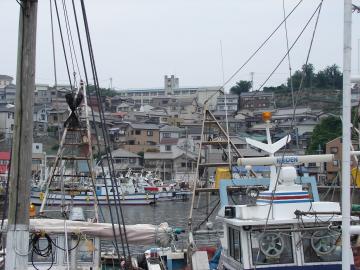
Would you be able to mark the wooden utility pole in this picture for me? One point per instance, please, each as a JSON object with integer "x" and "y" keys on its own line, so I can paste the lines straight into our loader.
{"x": 17, "y": 240}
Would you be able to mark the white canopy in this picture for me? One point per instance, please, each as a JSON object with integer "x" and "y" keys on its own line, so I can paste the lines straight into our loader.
{"x": 138, "y": 234}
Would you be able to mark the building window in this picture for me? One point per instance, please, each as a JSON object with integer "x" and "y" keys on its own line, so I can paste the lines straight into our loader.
{"x": 167, "y": 147}
{"x": 234, "y": 244}
{"x": 150, "y": 133}
{"x": 333, "y": 150}
{"x": 336, "y": 163}
{"x": 132, "y": 160}
{"x": 166, "y": 135}
{"x": 137, "y": 132}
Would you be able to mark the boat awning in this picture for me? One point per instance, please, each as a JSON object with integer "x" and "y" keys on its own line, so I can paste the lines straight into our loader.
{"x": 138, "y": 234}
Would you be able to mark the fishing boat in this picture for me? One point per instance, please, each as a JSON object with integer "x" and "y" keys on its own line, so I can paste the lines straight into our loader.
{"x": 286, "y": 225}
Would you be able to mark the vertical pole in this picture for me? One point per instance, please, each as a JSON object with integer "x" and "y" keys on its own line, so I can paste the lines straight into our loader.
{"x": 17, "y": 240}
{"x": 345, "y": 199}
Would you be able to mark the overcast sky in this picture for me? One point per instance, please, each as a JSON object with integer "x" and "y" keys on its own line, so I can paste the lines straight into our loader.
{"x": 137, "y": 42}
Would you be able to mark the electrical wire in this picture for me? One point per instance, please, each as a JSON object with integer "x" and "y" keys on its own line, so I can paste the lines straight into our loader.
{"x": 45, "y": 252}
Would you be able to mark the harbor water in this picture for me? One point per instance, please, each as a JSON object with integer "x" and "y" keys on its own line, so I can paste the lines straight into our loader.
{"x": 175, "y": 213}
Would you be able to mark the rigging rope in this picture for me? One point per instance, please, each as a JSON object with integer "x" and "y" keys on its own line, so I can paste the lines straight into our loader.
{"x": 118, "y": 208}
{"x": 96, "y": 131}
{"x": 288, "y": 56}
{"x": 292, "y": 46}
{"x": 71, "y": 42}
{"x": 318, "y": 10}
{"x": 63, "y": 45}
{"x": 256, "y": 51}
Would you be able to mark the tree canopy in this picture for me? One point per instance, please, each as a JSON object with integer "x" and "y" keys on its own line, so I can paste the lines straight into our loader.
{"x": 105, "y": 92}
{"x": 241, "y": 87}
{"x": 328, "y": 129}
{"x": 328, "y": 78}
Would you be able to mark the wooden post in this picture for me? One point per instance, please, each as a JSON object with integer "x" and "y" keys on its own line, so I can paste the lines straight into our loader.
{"x": 17, "y": 241}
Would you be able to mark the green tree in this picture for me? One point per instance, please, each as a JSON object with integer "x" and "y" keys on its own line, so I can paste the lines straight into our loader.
{"x": 104, "y": 92}
{"x": 240, "y": 87}
{"x": 328, "y": 129}
{"x": 334, "y": 76}
{"x": 306, "y": 75}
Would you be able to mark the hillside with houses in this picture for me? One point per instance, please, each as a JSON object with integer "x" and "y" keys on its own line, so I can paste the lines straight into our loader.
{"x": 159, "y": 129}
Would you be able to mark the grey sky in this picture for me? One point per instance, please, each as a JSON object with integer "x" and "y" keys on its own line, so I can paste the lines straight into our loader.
{"x": 137, "y": 42}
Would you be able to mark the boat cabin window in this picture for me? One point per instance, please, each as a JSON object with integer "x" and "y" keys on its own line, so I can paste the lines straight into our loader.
{"x": 321, "y": 245}
{"x": 42, "y": 245}
{"x": 234, "y": 244}
{"x": 85, "y": 250}
{"x": 271, "y": 248}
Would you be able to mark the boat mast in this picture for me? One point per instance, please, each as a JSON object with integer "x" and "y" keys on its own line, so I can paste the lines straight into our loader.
{"x": 17, "y": 240}
{"x": 345, "y": 200}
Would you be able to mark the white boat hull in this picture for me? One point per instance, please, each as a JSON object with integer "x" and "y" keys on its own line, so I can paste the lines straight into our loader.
{"x": 84, "y": 199}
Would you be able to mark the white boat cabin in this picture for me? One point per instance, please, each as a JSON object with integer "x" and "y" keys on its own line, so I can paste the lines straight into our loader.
{"x": 284, "y": 228}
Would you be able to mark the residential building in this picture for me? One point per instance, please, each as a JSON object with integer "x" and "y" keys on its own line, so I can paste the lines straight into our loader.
{"x": 256, "y": 100}
{"x": 5, "y": 80}
{"x": 7, "y": 114}
{"x": 9, "y": 93}
{"x": 227, "y": 102}
{"x": 141, "y": 137}
{"x": 4, "y": 165}
{"x": 177, "y": 164}
{"x": 42, "y": 94}
{"x": 38, "y": 163}
{"x": 333, "y": 168}
{"x": 40, "y": 118}
{"x": 124, "y": 160}
{"x": 172, "y": 89}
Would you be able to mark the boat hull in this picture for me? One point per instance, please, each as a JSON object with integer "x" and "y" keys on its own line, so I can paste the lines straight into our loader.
{"x": 83, "y": 199}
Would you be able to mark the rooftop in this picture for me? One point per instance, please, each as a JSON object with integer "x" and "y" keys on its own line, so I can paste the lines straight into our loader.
{"x": 6, "y": 77}
{"x": 144, "y": 126}
{"x": 170, "y": 129}
{"x": 123, "y": 153}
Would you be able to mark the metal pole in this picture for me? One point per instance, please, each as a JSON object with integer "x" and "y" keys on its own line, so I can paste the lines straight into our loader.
{"x": 345, "y": 199}
{"x": 17, "y": 240}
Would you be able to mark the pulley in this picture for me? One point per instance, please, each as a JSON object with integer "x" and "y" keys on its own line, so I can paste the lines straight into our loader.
{"x": 323, "y": 242}
{"x": 271, "y": 244}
